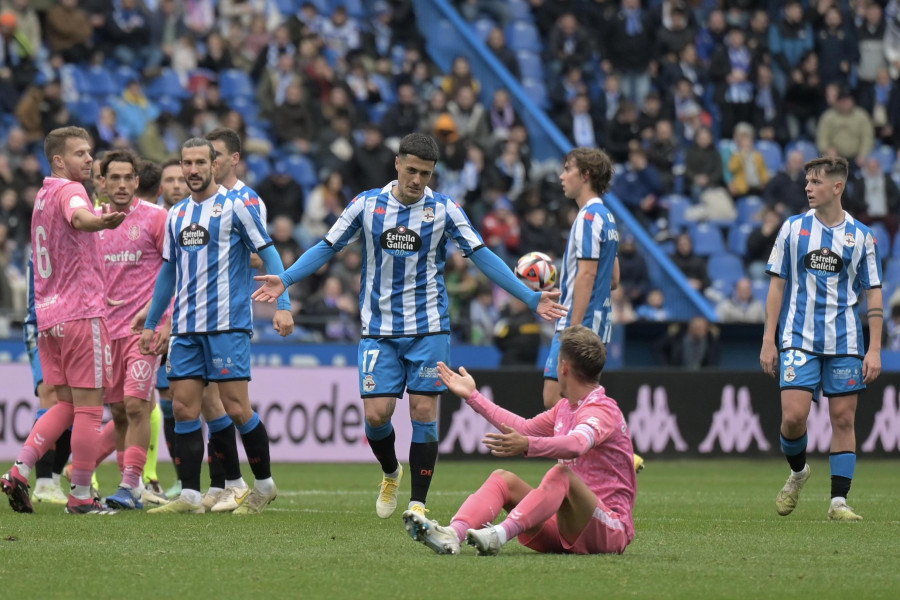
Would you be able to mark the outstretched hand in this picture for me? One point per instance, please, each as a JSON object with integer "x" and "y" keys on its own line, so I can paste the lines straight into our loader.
{"x": 110, "y": 219}
{"x": 548, "y": 309}
{"x": 462, "y": 384}
{"x": 271, "y": 289}
{"x": 508, "y": 443}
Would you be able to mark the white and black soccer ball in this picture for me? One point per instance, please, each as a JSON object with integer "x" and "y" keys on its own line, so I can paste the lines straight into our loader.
{"x": 537, "y": 271}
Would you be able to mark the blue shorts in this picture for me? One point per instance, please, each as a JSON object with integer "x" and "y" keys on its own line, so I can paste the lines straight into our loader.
{"x": 390, "y": 366}
{"x": 552, "y": 359}
{"x": 210, "y": 357}
{"x": 162, "y": 378}
{"x": 37, "y": 373}
{"x": 833, "y": 375}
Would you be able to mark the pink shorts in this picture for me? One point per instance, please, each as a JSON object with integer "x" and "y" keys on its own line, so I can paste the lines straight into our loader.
{"x": 606, "y": 533}
{"x": 133, "y": 373}
{"x": 76, "y": 354}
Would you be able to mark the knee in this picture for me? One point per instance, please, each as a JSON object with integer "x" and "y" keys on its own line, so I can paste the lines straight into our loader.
{"x": 184, "y": 411}
{"x": 137, "y": 410}
{"x": 793, "y": 422}
{"x": 843, "y": 420}
{"x": 557, "y": 473}
{"x": 505, "y": 475}
{"x": 377, "y": 417}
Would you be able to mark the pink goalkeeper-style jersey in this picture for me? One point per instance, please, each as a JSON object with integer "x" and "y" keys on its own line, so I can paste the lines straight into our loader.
{"x": 590, "y": 438}
{"x": 132, "y": 257}
{"x": 68, "y": 268}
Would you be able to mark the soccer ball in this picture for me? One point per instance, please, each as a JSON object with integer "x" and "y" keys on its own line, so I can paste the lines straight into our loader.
{"x": 537, "y": 271}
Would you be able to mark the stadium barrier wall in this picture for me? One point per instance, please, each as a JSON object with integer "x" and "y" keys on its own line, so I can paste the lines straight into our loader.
{"x": 315, "y": 414}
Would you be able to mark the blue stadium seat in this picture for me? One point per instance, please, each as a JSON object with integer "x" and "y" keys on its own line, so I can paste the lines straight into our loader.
{"x": 235, "y": 83}
{"x": 124, "y": 74}
{"x": 725, "y": 267}
{"x": 287, "y": 7}
{"x": 536, "y": 91}
{"x": 258, "y": 166}
{"x": 678, "y": 205}
{"x": 520, "y": 10}
{"x": 886, "y": 156}
{"x": 738, "y": 236}
{"x": 445, "y": 38}
{"x": 377, "y": 112}
{"x": 882, "y": 239}
{"x": 892, "y": 271}
{"x": 747, "y": 208}
{"x": 246, "y": 107}
{"x": 355, "y": 8}
{"x": 99, "y": 82}
{"x": 168, "y": 104}
{"x": 85, "y": 110}
{"x": 521, "y": 35}
{"x": 761, "y": 290}
{"x": 707, "y": 240}
{"x": 772, "y": 155}
{"x": 806, "y": 147}
{"x": 483, "y": 27}
{"x": 166, "y": 84}
{"x": 530, "y": 64}
{"x": 302, "y": 170}
{"x": 896, "y": 245}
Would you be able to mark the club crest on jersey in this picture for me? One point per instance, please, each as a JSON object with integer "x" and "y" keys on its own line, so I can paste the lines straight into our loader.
{"x": 824, "y": 262}
{"x": 193, "y": 237}
{"x": 789, "y": 374}
{"x": 401, "y": 241}
{"x": 134, "y": 232}
{"x": 216, "y": 210}
{"x": 849, "y": 239}
{"x": 428, "y": 214}
{"x": 368, "y": 383}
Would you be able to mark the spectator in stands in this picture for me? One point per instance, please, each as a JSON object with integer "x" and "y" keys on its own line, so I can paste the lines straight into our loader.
{"x": 760, "y": 243}
{"x": 758, "y": 36}
{"x": 41, "y": 109}
{"x": 581, "y": 124}
{"x": 471, "y": 10}
{"x": 510, "y": 167}
{"x": 200, "y": 17}
{"x": 676, "y": 32}
{"x": 28, "y": 24}
{"x": 622, "y": 131}
{"x": 107, "y": 133}
{"x": 17, "y": 68}
{"x": 749, "y": 174}
{"x": 325, "y": 204}
{"x": 162, "y": 139}
{"x": 373, "y": 162}
{"x": 662, "y": 152}
{"x": 634, "y": 278}
{"x": 500, "y": 228}
{"x": 269, "y": 56}
{"x": 341, "y": 32}
{"x": 296, "y": 119}
{"x": 693, "y": 266}
{"x": 470, "y": 117}
{"x": 537, "y": 231}
{"x": 127, "y": 34}
{"x": 882, "y": 101}
{"x": 501, "y": 117}
{"x": 731, "y": 70}
{"x": 134, "y": 110}
{"x": 517, "y": 335}
{"x": 687, "y": 66}
{"x": 571, "y": 84}
{"x": 654, "y": 308}
{"x": 462, "y": 285}
{"x": 217, "y": 57}
{"x": 273, "y": 86}
{"x": 403, "y": 117}
{"x": 460, "y": 76}
{"x": 16, "y": 146}
{"x": 875, "y": 197}
{"x": 379, "y": 38}
{"x": 651, "y": 112}
{"x": 640, "y": 186}
{"x": 333, "y": 312}
{"x": 837, "y": 48}
{"x": 7, "y": 178}
{"x": 848, "y": 129}
{"x": 629, "y": 50}
{"x": 622, "y": 310}
{"x": 496, "y": 41}
{"x": 282, "y": 195}
{"x": 283, "y": 238}
{"x": 712, "y": 36}
{"x": 768, "y": 107}
{"x": 742, "y": 306}
{"x": 568, "y": 43}
{"x": 803, "y": 101}
{"x": 790, "y": 39}
{"x": 786, "y": 191}
{"x": 483, "y": 315}
{"x": 167, "y": 26}
{"x": 703, "y": 164}
{"x": 420, "y": 76}
{"x": 692, "y": 346}
{"x": 870, "y": 35}
{"x": 242, "y": 13}
{"x": 69, "y": 31}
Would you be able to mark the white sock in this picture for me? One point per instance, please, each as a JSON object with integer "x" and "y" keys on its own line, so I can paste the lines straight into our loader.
{"x": 838, "y": 500}
{"x": 191, "y": 496}
{"x": 81, "y": 492}
{"x": 236, "y": 483}
{"x": 55, "y": 479}
{"x": 265, "y": 486}
{"x": 24, "y": 470}
{"x": 43, "y": 481}
{"x": 213, "y": 490}
{"x": 501, "y": 533}
{"x": 393, "y": 475}
{"x": 415, "y": 503}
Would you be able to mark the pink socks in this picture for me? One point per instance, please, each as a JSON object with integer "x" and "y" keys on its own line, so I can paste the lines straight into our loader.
{"x": 481, "y": 507}
{"x": 86, "y": 438}
{"x": 135, "y": 458}
{"x": 44, "y": 434}
{"x": 539, "y": 505}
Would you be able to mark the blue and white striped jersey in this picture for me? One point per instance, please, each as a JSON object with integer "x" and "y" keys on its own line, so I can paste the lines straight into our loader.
{"x": 404, "y": 251}
{"x": 826, "y": 271}
{"x": 210, "y": 244}
{"x": 244, "y": 192}
{"x": 594, "y": 236}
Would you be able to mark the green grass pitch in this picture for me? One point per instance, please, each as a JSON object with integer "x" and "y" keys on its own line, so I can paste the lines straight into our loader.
{"x": 705, "y": 529}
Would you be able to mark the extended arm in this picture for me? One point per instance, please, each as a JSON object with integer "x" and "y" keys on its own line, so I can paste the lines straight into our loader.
{"x": 540, "y": 302}
{"x": 272, "y": 261}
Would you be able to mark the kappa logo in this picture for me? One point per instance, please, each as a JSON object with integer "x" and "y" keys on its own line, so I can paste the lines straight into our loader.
{"x": 467, "y": 429}
{"x": 141, "y": 370}
{"x": 887, "y": 423}
{"x": 652, "y": 425}
{"x": 804, "y": 232}
{"x": 734, "y": 425}
{"x": 379, "y": 210}
{"x": 589, "y": 216}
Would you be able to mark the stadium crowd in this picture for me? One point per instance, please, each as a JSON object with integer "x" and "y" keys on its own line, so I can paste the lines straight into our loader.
{"x": 709, "y": 109}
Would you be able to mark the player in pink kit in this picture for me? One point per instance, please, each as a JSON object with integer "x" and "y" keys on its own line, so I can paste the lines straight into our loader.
{"x": 73, "y": 342}
{"x": 132, "y": 257}
{"x": 583, "y": 505}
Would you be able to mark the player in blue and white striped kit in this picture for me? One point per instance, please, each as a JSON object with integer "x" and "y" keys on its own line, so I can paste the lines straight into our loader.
{"x": 822, "y": 263}
{"x": 404, "y": 228}
{"x": 209, "y": 239}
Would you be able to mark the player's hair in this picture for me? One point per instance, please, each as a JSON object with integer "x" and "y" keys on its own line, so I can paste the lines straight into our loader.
{"x": 172, "y": 162}
{"x": 124, "y": 156}
{"x": 584, "y": 351}
{"x": 229, "y": 136}
{"x": 55, "y": 142}
{"x": 149, "y": 176}
{"x": 420, "y": 145}
{"x": 832, "y": 166}
{"x": 596, "y": 164}
{"x": 198, "y": 142}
